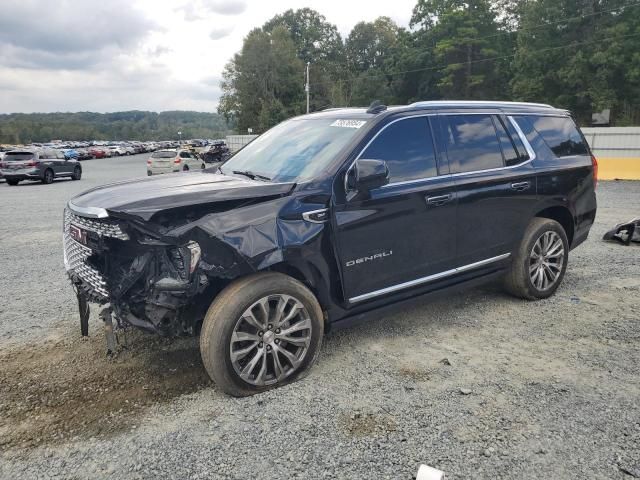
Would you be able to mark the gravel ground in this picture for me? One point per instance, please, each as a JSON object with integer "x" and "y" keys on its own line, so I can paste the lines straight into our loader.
{"x": 480, "y": 385}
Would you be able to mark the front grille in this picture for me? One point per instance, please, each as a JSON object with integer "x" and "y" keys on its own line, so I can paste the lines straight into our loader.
{"x": 103, "y": 227}
{"x": 76, "y": 254}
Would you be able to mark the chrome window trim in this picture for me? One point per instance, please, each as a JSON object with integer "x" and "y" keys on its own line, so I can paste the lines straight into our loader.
{"x": 90, "y": 212}
{"x": 427, "y": 279}
{"x": 523, "y": 137}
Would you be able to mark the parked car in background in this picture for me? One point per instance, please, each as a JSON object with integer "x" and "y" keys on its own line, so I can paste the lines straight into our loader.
{"x": 70, "y": 153}
{"x": 216, "y": 153}
{"x": 44, "y": 165}
{"x": 167, "y": 161}
{"x": 117, "y": 150}
{"x": 100, "y": 152}
{"x": 83, "y": 154}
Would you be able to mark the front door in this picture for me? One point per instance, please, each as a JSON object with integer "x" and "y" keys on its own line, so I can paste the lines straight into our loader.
{"x": 402, "y": 233}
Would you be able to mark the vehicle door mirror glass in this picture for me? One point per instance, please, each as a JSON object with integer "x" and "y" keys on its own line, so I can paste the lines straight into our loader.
{"x": 370, "y": 174}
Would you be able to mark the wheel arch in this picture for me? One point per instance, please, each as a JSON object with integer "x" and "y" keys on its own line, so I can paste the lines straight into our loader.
{"x": 563, "y": 216}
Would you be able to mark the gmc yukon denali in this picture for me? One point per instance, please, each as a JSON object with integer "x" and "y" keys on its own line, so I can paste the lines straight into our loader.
{"x": 329, "y": 218}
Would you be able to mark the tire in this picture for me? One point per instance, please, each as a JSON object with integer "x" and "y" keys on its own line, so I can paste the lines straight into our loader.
{"x": 149, "y": 173}
{"x": 185, "y": 168}
{"x": 48, "y": 176}
{"x": 227, "y": 316}
{"x": 536, "y": 272}
{"x": 203, "y": 166}
{"x": 12, "y": 183}
{"x": 77, "y": 174}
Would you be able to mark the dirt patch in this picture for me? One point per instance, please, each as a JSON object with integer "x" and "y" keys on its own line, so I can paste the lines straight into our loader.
{"x": 415, "y": 374}
{"x": 368, "y": 424}
{"x": 69, "y": 389}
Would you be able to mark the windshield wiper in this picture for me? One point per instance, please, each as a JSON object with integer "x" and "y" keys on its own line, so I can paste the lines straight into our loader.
{"x": 251, "y": 175}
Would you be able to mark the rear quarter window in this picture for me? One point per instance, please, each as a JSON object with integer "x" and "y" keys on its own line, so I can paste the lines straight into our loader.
{"x": 560, "y": 134}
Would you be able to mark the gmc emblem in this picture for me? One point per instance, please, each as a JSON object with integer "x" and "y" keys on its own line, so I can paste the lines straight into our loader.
{"x": 78, "y": 234}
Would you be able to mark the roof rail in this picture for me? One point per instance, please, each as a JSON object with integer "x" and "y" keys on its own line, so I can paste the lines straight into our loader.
{"x": 428, "y": 103}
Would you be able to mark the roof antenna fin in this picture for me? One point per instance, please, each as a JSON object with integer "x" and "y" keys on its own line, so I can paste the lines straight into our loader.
{"x": 376, "y": 107}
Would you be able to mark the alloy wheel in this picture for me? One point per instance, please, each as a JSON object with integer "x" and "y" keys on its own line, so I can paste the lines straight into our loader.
{"x": 270, "y": 340}
{"x": 546, "y": 260}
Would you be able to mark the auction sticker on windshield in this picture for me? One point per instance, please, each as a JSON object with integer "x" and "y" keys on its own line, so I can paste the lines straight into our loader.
{"x": 348, "y": 123}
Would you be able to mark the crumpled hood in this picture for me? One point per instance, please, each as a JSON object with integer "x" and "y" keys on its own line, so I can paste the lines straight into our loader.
{"x": 145, "y": 197}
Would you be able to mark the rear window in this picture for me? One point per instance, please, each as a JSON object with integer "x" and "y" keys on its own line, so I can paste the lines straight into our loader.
{"x": 560, "y": 134}
{"x": 18, "y": 156}
{"x": 162, "y": 155}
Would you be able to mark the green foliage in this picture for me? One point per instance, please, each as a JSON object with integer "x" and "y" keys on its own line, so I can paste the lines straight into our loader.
{"x": 18, "y": 128}
{"x": 577, "y": 54}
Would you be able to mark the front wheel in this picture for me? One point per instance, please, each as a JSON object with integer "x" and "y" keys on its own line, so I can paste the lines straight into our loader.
{"x": 12, "y": 183}
{"x": 261, "y": 332}
{"x": 77, "y": 174}
{"x": 540, "y": 262}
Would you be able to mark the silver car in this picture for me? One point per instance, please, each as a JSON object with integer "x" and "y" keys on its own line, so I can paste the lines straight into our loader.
{"x": 43, "y": 165}
{"x": 167, "y": 161}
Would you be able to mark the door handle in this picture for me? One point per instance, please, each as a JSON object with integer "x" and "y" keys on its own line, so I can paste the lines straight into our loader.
{"x": 520, "y": 186}
{"x": 438, "y": 200}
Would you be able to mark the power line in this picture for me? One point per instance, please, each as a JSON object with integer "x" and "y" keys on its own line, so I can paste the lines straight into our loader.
{"x": 502, "y": 57}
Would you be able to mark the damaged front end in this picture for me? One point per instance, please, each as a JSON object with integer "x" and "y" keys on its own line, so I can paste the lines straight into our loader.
{"x": 148, "y": 281}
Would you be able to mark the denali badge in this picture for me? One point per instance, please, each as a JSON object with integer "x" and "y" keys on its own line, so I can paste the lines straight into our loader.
{"x": 78, "y": 234}
{"x": 375, "y": 256}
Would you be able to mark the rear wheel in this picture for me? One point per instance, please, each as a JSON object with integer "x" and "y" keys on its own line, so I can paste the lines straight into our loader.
{"x": 261, "y": 332}
{"x": 48, "y": 176}
{"x": 540, "y": 262}
{"x": 77, "y": 174}
{"x": 12, "y": 183}
{"x": 185, "y": 168}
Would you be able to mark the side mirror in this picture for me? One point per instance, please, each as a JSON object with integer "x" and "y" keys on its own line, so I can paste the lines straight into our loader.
{"x": 367, "y": 175}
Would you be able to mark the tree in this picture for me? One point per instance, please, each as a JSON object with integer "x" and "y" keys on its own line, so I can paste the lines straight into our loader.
{"x": 261, "y": 85}
{"x": 466, "y": 40}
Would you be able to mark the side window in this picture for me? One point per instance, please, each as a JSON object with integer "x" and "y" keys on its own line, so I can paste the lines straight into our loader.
{"x": 472, "y": 143}
{"x": 513, "y": 151}
{"x": 184, "y": 155}
{"x": 407, "y": 147}
{"x": 560, "y": 134}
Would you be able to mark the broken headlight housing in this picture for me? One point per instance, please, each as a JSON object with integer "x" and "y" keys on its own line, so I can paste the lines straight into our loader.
{"x": 186, "y": 258}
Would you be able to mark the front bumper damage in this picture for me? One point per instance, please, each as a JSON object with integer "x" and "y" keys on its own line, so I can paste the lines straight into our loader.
{"x": 139, "y": 279}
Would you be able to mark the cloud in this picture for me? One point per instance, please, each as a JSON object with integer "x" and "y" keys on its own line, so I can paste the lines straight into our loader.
{"x": 226, "y": 7}
{"x": 82, "y": 26}
{"x": 218, "y": 33}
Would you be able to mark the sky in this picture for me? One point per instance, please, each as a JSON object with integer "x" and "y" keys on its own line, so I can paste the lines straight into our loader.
{"x": 115, "y": 55}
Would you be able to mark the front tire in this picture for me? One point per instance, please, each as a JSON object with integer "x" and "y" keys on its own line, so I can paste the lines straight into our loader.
{"x": 12, "y": 183}
{"x": 77, "y": 174}
{"x": 540, "y": 262}
{"x": 261, "y": 332}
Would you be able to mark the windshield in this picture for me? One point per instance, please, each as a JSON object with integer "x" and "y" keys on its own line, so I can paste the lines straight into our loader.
{"x": 18, "y": 156}
{"x": 294, "y": 150}
{"x": 163, "y": 154}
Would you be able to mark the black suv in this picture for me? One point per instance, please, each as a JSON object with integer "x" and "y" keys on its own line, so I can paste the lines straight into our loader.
{"x": 328, "y": 217}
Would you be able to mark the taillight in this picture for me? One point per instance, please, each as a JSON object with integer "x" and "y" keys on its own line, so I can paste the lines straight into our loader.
{"x": 594, "y": 162}
{"x": 177, "y": 160}
{"x": 32, "y": 163}
{"x": 148, "y": 161}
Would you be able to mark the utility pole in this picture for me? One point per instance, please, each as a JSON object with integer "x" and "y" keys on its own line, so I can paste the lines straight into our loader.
{"x": 306, "y": 87}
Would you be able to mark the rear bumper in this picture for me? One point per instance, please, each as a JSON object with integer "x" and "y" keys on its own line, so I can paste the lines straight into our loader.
{"x": 23, "y": 174}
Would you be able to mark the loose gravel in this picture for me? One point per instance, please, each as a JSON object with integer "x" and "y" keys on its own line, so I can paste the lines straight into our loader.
{"x": 480, "y": 385}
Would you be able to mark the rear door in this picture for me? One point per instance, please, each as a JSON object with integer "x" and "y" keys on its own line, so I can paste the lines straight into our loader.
{"x": 403, "y": 232}
{"x": 495, "y": 181}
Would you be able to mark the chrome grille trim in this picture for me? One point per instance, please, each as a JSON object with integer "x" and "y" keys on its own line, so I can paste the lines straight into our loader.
{"x": 76, "y": 254}
{"x": 105, "y": 228}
